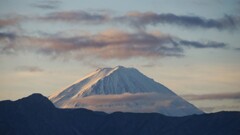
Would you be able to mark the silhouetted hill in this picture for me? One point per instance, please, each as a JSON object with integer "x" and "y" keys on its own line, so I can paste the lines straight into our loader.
{"x": 36, "y": 115}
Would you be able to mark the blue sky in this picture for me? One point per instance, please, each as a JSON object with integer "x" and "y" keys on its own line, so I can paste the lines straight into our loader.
{"x": 190, "y": 46}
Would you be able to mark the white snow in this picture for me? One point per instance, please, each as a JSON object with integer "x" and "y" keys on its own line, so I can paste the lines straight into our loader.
{"x": 111, "y": 86}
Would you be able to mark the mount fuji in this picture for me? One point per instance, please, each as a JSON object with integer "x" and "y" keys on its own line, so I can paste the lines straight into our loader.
{"x": 122, "y": 89}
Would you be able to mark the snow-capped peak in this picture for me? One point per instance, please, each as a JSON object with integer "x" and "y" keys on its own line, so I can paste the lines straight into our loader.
{"x": 117, "y": 83}
{"x": 117, "y": 80}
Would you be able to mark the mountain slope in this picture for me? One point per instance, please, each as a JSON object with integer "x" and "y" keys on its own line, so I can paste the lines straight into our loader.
{"x": 36, "y": 115}
{"x": 122, "y": 89}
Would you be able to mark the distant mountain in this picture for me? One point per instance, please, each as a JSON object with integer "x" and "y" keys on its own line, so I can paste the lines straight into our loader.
{"x": 36, "y": 115}
{"x": 122, "y": 89}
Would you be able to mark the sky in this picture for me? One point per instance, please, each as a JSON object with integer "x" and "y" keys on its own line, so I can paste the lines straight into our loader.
{"x": 190, "y": 46}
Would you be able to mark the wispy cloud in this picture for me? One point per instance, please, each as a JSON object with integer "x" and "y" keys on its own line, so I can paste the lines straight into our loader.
{"x": 137, "y": 20}
{"x": 237, "y": 49}
{"x": 109, "y": 44}
{"x": 217, "y": 96}
{"x": 149, "y": 65}
{"x": 29, "y": 69}
{"x": 142, "y": 19}
{"x": 214, "y": 108}
{"x": 47, "y": 4}
{"x": 127, "y": 102}
{"x": 75, "y": 17}
{"x": 7, "y": 42}
{"x": 211, "y": 44}
{"x": 5, "y": 22}
{"x": 7, "y": 35}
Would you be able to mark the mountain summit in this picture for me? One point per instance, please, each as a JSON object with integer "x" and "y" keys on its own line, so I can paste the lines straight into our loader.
{"x": 122, "y": 89}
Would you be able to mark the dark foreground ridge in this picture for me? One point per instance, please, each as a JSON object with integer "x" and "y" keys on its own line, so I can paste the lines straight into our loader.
{"x": 36, "y": 115}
